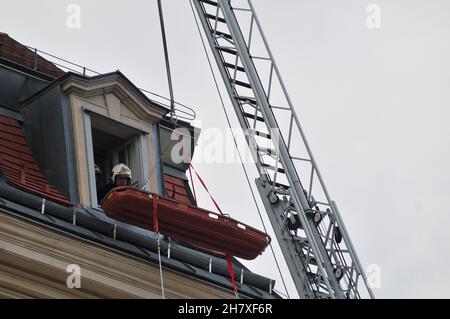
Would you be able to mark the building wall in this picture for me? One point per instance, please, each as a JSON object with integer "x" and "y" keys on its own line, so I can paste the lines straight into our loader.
{"x": 34, "y": 260}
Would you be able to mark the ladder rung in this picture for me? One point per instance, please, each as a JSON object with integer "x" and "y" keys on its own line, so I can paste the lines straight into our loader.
{"x": 266, "y": 150}
{"x": 232, "y": 66}
{"x": 252, "y": 116}
{"x": 227, "y": 50}
{"x": 273, "y": 168}
{"x": 313, "y": 261}
{"x": 240, "y": 83}
{"x": 304, "y": 244}
{"x": 265, "y": 135}
{"x": 300, "y": 239}
{"x": 225, "y": 35}
{"x": 313, "y": 276}
{"x": 209, "y": 2}
{"x": 248, "y": 100}
{"x": 213, "y": 17}
{"x": 279, "y": 185}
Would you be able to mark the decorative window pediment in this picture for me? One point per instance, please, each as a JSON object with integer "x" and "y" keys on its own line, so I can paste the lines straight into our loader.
{"x": 116, "y": 95}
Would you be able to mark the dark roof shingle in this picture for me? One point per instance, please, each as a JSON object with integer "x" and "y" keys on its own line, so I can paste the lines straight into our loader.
{"x": 176, "y": 189}
{"x": 18, "y": 53}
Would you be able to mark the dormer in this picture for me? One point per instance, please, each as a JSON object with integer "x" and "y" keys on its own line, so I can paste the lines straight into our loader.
{"x": 78, "y": 122}
{"x": 113, "y": 122}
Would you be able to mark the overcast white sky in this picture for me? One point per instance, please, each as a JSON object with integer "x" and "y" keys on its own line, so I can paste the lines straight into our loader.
{"x": 373, "y": 103}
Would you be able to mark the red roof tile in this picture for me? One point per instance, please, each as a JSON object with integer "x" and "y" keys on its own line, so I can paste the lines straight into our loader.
{"x": 13, "y": 51}
{"x": 176, "y": 189}
{"x": 18, "y": 165}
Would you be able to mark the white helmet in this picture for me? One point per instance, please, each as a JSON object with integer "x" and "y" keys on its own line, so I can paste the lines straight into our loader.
{"x": 120, "y": 170}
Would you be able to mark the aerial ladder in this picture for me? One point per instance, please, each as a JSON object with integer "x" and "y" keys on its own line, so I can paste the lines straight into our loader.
{"x": 309, "y": 229}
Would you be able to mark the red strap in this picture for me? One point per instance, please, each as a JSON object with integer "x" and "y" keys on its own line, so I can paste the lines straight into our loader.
{"x": 230, "y": 264}
{"x": 230, "y": 270}
{"x": 203, "y": 183}
{"x": 155, "y": 213}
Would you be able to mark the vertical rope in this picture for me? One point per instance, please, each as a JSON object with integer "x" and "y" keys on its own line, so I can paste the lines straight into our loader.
{"x": 166, "y": 57}
{"x": 156, "y": 226}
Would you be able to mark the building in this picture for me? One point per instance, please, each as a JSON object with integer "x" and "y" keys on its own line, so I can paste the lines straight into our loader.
{"x": 54, "y": 127}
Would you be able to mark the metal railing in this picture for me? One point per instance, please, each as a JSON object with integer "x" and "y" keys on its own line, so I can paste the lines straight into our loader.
{"x": 182, "y": 111}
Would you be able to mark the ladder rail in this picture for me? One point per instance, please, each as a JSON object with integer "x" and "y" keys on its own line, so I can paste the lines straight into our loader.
{"x": 318, "y": 254}
{"x": 298, "y": 273}
{"x": 325, "y": 269}
{"x": 244, "y": 124}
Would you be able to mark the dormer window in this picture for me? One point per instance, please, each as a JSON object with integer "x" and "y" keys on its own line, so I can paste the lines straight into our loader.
{"x": 113, "y": 122}
{"x": 110, "y": 143}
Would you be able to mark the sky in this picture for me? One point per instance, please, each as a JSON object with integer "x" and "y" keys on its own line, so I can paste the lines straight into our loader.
{"x": 373, "y": 102}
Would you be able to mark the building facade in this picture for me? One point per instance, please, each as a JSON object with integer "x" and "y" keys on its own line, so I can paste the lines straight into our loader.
{"x": 56, "y": 127}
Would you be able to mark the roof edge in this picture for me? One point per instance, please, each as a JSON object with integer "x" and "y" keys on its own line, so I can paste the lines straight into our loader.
{"x": 90, "y": 224}
{"x": 10, "y": 113}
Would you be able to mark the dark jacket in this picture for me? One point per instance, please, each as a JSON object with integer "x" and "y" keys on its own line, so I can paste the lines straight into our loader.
{"x": 103, "y": 191}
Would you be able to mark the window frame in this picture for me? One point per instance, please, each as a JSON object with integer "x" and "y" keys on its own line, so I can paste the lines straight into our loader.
{"x": 141, "y": 155}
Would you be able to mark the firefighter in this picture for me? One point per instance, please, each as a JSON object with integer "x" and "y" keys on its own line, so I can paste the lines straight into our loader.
{"x": 120, "y": 176}
{"x": 98, "y": 174}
